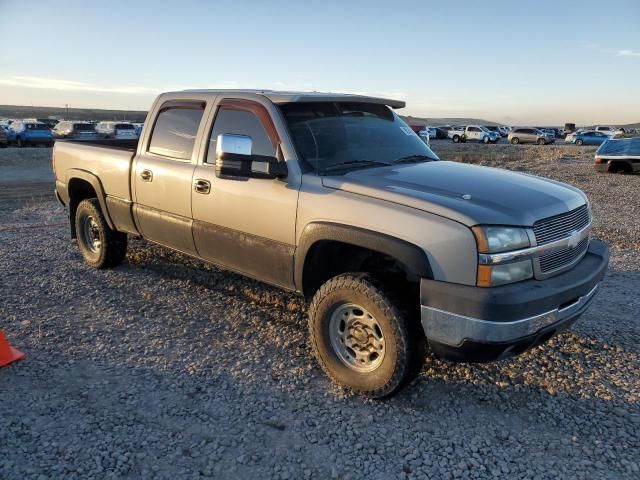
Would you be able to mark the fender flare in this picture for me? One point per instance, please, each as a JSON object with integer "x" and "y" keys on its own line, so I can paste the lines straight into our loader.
{"x": 94, "y": 181}
{"x": 412, "y": 257}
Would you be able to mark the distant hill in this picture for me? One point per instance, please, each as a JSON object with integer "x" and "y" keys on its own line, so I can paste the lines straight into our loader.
{"x": 434, "y": 122}
{"x": 21, "y": 111}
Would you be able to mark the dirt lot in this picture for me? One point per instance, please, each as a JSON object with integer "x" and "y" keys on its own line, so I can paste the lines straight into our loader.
{"x": 166, "y": 367}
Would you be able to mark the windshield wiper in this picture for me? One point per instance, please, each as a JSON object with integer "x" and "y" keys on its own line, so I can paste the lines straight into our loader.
{"x": 357, "y": 163}
{"x": 413, "y": 159}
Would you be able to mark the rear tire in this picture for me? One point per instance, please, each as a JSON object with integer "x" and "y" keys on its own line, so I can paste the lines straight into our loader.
{"x": 20, "y": 143}
{"x": 361, "y": 338}
{"x": 456, "y": 139}
{"x": 100, "y": 246}
{"x": 515, "y": 141}
{"x": 540, "y": 141}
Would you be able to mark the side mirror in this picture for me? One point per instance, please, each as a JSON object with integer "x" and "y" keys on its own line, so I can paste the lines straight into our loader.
{"x": 235, "y": 161}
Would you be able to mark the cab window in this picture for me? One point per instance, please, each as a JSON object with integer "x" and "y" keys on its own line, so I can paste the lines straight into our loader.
{"x": 240, "y": 122}
{"x": 174, "y": 133}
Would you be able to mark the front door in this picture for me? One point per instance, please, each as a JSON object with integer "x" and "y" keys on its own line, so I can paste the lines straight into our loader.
{"x": 163, "y": 175}
{"x": 245, "y": 225}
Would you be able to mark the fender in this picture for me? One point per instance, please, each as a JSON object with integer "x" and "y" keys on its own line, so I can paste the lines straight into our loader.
{"x": 412, "y": 257}
{"x": 94, "y": 181}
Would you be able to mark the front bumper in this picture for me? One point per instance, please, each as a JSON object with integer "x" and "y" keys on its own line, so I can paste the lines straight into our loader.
{"x": 474, "y": 324}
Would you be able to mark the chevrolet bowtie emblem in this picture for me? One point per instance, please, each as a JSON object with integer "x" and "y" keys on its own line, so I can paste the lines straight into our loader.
{"x": 574, "y": 239}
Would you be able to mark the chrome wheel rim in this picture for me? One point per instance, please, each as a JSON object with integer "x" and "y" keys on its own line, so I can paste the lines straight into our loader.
{"x": 91, "y": 233}
{"x": 356, "y": 338}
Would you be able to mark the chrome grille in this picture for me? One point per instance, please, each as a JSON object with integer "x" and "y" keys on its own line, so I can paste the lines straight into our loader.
{"x": 561, "y": 258}
{"x": 561, "y": 226}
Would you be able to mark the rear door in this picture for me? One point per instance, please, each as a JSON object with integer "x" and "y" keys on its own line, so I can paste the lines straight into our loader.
{"x": 163, "y": 173}
{"x": 529, "y": 135}
{"x": 246, "y": 225}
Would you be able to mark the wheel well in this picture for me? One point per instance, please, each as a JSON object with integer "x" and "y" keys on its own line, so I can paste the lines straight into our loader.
{"x": 79, "y": 190}
{"x": 620, "y": 167}
{"x": 328, "y": 258}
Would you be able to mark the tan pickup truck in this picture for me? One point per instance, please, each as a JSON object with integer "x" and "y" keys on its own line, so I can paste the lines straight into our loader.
{"x": 335, "y": 197}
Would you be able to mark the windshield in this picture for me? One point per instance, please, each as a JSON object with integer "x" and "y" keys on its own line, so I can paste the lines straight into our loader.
{"x": 83, "y": 127}
{"x": 330, "y": 136}
{"x": 124, "y": 126}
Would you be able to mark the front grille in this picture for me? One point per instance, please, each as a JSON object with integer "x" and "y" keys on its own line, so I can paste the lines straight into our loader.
{"x": 561, "y": 226}
{"x": 561, "y": 258}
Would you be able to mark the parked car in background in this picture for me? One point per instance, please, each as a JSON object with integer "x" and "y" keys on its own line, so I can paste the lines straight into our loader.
{"x": 620, "y": 155}
{"x": 530, "y": 135}
{"x": 455, "y": 130}
{"x": 432, "y": 131}
{"x": 474, "y": 133}
{"x": 49, "y": 122}
{"x": 138, "y": 128}
{"x": 32, "y": 133}
{"x": 549, "y": 131}
{"x": 587, "y": 138}
{"x": 68, "y": 129}
{"x": 441, "y": 132}
{"x": 4, "y": 141}
{"x": 116, "y": 130}
{"x": 494, "y": 128}
{"x": 614, "y": 132}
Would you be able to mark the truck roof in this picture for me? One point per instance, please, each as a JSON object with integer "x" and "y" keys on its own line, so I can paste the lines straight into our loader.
{"x": 280, "y": 97}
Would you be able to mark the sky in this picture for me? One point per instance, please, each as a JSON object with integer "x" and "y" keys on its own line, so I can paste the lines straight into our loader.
{"x": 542, "y": 62}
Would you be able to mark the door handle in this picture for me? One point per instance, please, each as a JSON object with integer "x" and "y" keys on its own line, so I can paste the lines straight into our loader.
{"x": 146, "y": 175}
{"x": 202, "y": 186}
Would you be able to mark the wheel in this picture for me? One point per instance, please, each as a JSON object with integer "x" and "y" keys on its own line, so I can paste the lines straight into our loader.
{"x": 486, "y": 139}
{"x": 579, "y": 142}
{"x": 20, "y": 143}
{"x": 361, "y": 338}
{"x": 100, "y": 246}
{"x": 456, "y": 139}
{"x": 515, "y": 140}
{"x": 540, "y": 141}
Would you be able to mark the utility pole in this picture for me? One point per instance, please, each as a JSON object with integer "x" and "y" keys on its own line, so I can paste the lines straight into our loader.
{"x": 66, "y": 105}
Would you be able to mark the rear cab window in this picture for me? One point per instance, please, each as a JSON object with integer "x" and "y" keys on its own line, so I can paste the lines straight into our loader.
{"x": 175, "y": 129}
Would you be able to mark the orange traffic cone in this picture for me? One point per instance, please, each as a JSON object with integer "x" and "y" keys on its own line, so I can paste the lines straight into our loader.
{"x": 8, "y": 354}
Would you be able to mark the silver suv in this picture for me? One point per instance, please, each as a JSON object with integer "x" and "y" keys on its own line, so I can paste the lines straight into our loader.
{"x": 530, "y": 135}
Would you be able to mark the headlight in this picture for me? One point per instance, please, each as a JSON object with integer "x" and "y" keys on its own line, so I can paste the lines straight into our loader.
{"x": 496, "y": 239}
{"x": 491, "y": 276}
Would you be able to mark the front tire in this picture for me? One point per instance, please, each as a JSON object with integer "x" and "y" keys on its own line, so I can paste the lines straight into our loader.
{"x": 100, "y": 246}
{"x": 515, "y": 141}
{"x": 456, "y": 139}
{"x": 361, "y": 338}
{"x": 541, "y": 141}
{"x": 20, "y": 143}
{"x": 579, "y": 142}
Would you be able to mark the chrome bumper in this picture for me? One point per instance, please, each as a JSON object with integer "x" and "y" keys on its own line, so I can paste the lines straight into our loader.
{"x": 453, "y": 329}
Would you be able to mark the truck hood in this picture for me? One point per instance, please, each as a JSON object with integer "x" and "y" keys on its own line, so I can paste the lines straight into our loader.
{"x": 465, "y": 193}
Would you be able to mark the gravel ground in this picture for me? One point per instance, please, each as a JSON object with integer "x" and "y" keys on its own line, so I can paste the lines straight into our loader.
{"x": 166, "y": 367}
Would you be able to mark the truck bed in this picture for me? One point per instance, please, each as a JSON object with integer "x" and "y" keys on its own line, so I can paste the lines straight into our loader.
{"x": 109, "y": 160}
